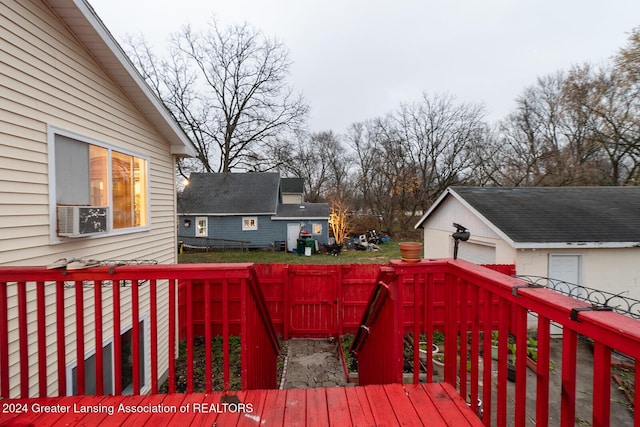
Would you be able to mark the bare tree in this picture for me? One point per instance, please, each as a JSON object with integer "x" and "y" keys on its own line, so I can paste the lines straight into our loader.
{"x": 227, "y": 88}
{"x": 413, "y": 154}
{"x": 323, "y": 162}
{"x": 627, "y": 60}
{"x": 441, "y": 134}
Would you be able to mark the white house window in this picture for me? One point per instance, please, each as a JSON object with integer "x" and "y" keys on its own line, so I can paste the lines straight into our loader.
{"x": 91, "y": 174}
{"x": 202, "y": 226}
{"x": 249, "y": 223}
{"x": 317, "y": 228}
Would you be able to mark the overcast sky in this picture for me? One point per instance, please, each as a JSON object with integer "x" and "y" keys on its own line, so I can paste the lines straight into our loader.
{"x": 355, "y": 60}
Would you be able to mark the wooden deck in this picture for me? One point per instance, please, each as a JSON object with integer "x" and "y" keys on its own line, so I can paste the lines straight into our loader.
{"x": 387, "y": 405}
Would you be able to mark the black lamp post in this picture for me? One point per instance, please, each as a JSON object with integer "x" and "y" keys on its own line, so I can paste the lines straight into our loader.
{"x": 461, "y": 234}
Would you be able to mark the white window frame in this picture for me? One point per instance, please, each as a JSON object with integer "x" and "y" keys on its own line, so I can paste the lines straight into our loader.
{"x": 249, "y": 223}
{"x": 52, "y": 131}
{"x": 197, "y": 231}
{"x": 315, "y": 226}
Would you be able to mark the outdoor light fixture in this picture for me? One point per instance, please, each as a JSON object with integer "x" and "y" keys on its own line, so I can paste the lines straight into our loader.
{"x": 187, "y": 223}
{"x": 460, "y": 234}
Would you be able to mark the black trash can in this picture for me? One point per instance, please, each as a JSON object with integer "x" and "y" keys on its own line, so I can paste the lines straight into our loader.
{"x": 300, "y": 246}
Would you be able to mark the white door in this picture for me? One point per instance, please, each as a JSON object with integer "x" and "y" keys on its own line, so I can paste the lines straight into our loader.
{"x": 566, "y": 271}
{"x": 293, "y": 232}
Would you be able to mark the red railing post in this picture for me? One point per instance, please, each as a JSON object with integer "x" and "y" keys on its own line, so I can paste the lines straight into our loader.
{"x": 520, "y": 330}
{"x": 475, "y": 348}
{"x": 451, "y": 329}
{"x": 207, "y": 336}
{"x": 418, "y": 299}
{"x": 246, "y": 354}
{"x": 97, "y": 319}
{"x": 463, "y": 306}
{"x": 503, "y": 354}
{"x": 153, "y": 333}
{"x": 60, "y": 339}
{"x": 79, "y": 309}
{"x": 428, "y": 323}
{"x": 189, "y": 361}
{"x": 42, "y": 339}
{"x": 568, "y": 393}
{"x": 542, "y": 372}
{"x": 487, "y": 351}
{"x": 4, "y": 342}
{"x": 225, "y": 334}
{"x": 23, "y": 337}
{"x": 117, "y": 343}
{"x": 172, "y": 334}
{"x": 135, "y": 337}
{"x": 601, "y": 384}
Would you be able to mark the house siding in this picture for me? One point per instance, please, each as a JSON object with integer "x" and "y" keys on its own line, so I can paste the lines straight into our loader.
{"x": 49, "y": 80}
{"x": 230, "y": 227}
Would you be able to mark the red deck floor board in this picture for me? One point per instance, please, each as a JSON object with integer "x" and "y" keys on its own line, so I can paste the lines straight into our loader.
{"x": 317, "y": 409}
{"x": 404, "y": 411}
{"x": 359, "y": 407}
{"x": 296, "y": 407}
{"x": 257, "y": 398}
{"x": 392, "y": 404}
{"x": 338, "y": 409}
{"x": 424, "y": 405}
{"x": 380, "y": 406}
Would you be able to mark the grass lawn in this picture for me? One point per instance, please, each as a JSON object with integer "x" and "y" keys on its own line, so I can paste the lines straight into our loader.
{"x": 387, "y": 251}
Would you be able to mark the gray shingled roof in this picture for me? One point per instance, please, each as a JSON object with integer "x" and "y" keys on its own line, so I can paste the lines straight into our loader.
{"x": 292, "y": 185}
{"x": 304, "y": 210}
{"x": 559, "y": 214}
{"x": 230, "y": 193}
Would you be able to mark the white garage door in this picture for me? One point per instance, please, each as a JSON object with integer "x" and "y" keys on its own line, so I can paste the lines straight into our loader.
{"x": 477, "y": 253}
{"x": 566, "y": 268}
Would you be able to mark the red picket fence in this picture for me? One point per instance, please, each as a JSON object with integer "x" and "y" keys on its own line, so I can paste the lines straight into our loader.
{"x": 468, "y": 330}
{"x": 59, "y": 315}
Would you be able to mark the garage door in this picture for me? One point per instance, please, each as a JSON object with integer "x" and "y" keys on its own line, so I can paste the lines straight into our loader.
{"x": 477, "y": 253}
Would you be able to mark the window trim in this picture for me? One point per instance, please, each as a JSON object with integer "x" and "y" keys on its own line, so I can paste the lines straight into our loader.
{"x": 52, "y": 131}
{"x": 196, "y": 229}
{"x": 249, "y": 228}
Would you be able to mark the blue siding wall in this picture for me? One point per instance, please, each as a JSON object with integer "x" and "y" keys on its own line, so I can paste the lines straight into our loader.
{"x": 230, "y": 227}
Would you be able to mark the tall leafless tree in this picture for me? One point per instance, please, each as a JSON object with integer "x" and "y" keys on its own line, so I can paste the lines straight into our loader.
{"x": 323, "y": 162}
{"x": 228, "y": 88}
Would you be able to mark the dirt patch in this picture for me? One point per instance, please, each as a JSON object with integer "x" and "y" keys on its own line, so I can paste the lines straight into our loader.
{"x": 217, "y": 375}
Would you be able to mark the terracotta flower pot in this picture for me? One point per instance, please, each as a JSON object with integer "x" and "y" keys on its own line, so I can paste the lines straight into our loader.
{"x": 410, "y": 251}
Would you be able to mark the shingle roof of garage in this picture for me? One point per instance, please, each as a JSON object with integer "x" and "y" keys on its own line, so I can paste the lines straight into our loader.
{"x": 556, "y": 214}
{"x": 230, "y": 194}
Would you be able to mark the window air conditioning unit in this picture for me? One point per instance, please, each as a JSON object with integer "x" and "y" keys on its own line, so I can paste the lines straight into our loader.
{"x": 78, "y": 221}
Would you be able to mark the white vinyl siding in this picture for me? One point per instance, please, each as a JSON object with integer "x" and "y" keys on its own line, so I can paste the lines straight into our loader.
{"x": 50, "y": 80}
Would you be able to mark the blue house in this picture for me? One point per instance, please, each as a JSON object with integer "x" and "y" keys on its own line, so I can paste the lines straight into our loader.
{"x": 254, "y": 209}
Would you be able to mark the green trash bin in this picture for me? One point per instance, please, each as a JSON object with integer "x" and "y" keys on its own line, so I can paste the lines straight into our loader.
{"x": 311, "y": 243}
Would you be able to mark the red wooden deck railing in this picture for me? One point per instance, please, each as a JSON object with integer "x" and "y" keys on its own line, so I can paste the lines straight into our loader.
{"x": 313, "y": 300}
{"x": 467, "y": 288}
{"x": 40, "y": 295}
